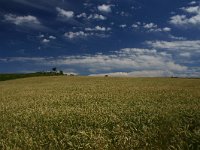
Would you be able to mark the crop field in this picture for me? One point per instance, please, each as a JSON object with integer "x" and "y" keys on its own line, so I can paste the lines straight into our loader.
{"x": 4, "y": 77}
{"x": 100, "y": 113}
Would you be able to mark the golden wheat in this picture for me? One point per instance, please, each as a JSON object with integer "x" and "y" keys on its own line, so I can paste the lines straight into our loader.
{"x": 100, "y": 113}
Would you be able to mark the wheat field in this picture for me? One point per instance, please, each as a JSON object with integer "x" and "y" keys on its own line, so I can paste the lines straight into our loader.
{"x": 100, "y": 113}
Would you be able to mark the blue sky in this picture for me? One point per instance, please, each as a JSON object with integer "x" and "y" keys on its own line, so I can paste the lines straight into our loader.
{"x": 97, "y": 37}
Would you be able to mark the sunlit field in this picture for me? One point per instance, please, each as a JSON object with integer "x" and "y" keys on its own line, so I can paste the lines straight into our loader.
{"x": 100, "y": 113}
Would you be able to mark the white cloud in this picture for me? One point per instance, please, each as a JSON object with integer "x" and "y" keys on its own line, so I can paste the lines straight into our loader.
{"x": 143, "y": 73}
{"x": 167, "y": 29}
{"x": 182, "y": 20}
{"x": 184, "y": 45}
{"x": 97, "y": 17}
{"x": 135, "y": 25}
{"x": 179, "y": 20}
{"x": 98, "y": 28}
{"x": 27, "y": 22}
{"x": 126, "y": 59}
{"x": 3, "y": 60}
{"x": 21, "y": 20}
{"x": 41, "y": 36}
{"x": 82, "y": 15}
{"x": 177, "y": 38}
{"x": 64, "y": 13}
{"x": 114, "y": 74}
{"x": 125, "y": 62}
{"x": 105, "y": 8}
{"x": 151, "y": 73}
{"x": 123, "y": 26}
{"x": 87, "y": 4}
{"x": 183, "y": 51}
{"x": 150, "y": 27}
{"x": 52, "y": 37}
{"x": 185, "y": 54}
{"x": 193, "y": 3}
{"x": 124, "y": 14}
{"x": 192, "y": 19}
{"x": 45, "y": 41}
{"x": 72, "y": 35}
{"x": 90, "y": 32}
{"x": 35, "y": 5}
{"x": 193, "y": 9}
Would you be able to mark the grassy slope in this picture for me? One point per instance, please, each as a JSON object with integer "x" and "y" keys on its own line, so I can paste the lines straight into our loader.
{"x": 4, "y": 77}
{"x": 100, "y": 113}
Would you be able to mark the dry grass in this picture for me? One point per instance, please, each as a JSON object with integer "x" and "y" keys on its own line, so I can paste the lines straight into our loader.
{"x": 100, "y": 113}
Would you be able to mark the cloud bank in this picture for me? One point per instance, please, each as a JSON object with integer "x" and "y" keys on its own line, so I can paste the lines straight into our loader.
{"x": 132, "y": 61}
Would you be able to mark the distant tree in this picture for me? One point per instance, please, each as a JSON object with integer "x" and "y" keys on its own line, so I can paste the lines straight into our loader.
{"x": 54, "y": 69}
{"x": 61, "y": 72}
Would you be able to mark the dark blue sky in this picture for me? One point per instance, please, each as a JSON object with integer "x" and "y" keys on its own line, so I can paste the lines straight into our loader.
{"x": 120, "y": 37}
